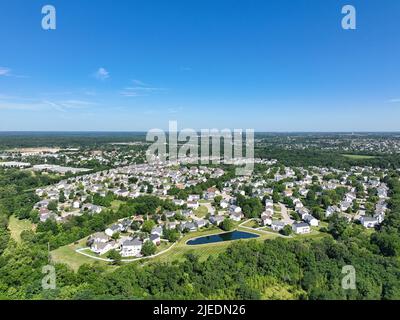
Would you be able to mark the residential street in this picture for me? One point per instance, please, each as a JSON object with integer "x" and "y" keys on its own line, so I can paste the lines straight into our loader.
{"x": 285, "y": 215}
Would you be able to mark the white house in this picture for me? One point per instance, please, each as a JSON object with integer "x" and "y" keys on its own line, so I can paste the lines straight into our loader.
{"x": 113, "y": 229}
{"x": 103, "y": 247}
{"x": 99, "y": 237}
{"x": 331, "y": 210}
{"x": 76, "y": 204}
{"x": 277, "y": 225}
{"x": 216, "y": 220}
{"x": 193, "y": 204}
{"x": 201, "y": 223}
{"x": 369, "y": 222}
{"x": 224, "y": 204}
{"x": 155, "y": 238}
{"x": 301, "y": 228}
{"x": 157, "y": 230}
{"x": 235, "y": 209}
{"x": 266, "y": 220}
{"x": 178, "y": 202}
{"x": 131, "y": 248}
{"x": 311, "y": 220}
{"x": 193, "y": 197}
{"x": 236, "y": 216}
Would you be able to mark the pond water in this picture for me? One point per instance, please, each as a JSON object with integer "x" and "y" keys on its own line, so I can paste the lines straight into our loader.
{"x": 228, "y": 236}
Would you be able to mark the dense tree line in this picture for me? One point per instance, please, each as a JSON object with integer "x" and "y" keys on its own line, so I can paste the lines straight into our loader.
{"x": 335, "y": 159}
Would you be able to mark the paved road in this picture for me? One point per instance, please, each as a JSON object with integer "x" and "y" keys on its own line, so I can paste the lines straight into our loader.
{"x": 261, "y": 230}
{"x": 123, "y": 260}
{"x": 285, "y": 215}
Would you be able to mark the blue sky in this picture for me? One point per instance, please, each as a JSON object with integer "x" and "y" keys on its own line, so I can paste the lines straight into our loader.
{"x": 134, "y": 65}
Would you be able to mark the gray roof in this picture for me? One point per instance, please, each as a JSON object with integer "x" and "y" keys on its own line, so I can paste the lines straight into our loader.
{"x": 133, "y": 242}
{"x": 154, "y": 237}
{"x": 300, "y": 225}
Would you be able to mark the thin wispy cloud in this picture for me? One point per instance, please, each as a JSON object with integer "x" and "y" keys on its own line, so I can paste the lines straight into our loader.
{"x": 397, "y": 100}
{"x": 102, "y": 74}
{"x": 42, "y": 104}
{"x": 140, "y": 89}
{"x": 139, "y": 83}
{"x": 5, "y": 71}
{"x": 69, "y": 104}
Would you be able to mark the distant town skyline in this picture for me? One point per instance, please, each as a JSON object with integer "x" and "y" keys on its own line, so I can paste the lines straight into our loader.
{"x": 284, "y": 66}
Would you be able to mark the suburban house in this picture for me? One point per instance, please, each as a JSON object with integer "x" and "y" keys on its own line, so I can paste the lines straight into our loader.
{"x": 369, "y": 222}
{"x": 45, "y": 215}
{"x": 224, "y": 204}
{"x": 193, "y": 197}
{"x": 178, "y": 202}
{"x": 157, "y": 230}
{"x": 331, "y": 210}
{"x": 155, "y": 238}
{"x": 113, "y": 229}
{"x": 201, "y": 223}
{"x": 193, "y": 204}
{"x": 235, "y": 209}
{"x": 103, "y": 247}
{"x": 216, "y": 220}
{"x": 301, "y": 228}
{"x": 99, "y": 237}
{"x": 266, "y": 220}
{"x": 236, "y": 216}
{"x": 277, "y": 225}
{"x": 311, "y": 220}
{"x": 131, "y": 248}
{"x": 187, "y": 226}
{"x": 169, "y": 214}
{"x": 91, "y": 208}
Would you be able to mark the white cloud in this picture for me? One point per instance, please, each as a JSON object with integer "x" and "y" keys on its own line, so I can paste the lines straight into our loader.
{"x": 140, "y": 89}
{"x": 12, "y": 103}
{"x": 139, "y": 83}
{"x": 394, "y": 100}
{"x": 102, "y": 74}
{"x": 5, "y": 71}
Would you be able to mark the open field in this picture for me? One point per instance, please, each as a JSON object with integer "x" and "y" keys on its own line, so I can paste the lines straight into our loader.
{"x": 357, "y": 156}
{"x": 67, "y": 255}
{"x": 16, "y": 226}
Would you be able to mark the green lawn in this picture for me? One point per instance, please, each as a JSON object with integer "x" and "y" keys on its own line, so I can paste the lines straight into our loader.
{"x": 67, "y": 255}
{"x": 251, "y": 224}
{"x": 357, "y": 156}
{"x": 201, "y": 212}
{"x": 115, "y": 204}
{"x": 16, "y": 226}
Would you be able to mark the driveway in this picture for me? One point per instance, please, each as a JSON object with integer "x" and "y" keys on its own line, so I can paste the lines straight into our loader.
{"x": 285, "y": 215}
